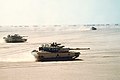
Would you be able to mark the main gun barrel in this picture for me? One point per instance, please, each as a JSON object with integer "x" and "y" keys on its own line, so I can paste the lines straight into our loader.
{"x": 79, "y": 48}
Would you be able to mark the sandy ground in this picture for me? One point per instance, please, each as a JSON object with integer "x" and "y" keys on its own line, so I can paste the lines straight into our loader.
{"x": 60, "y": 70}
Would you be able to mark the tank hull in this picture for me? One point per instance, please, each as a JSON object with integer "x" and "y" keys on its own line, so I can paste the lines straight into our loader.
{"x": 47, "y": 56}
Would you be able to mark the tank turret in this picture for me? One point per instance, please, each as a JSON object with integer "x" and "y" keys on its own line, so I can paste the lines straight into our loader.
{"x": 55, "y": 47}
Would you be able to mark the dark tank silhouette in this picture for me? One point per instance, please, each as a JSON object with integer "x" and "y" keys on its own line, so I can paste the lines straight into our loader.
{"x": 14, "y": 38}
{"x": 93, "y": 28}
{"x": 55, "y": 51}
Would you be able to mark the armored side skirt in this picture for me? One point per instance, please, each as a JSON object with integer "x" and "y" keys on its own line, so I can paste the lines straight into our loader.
{"x": 15, "y": 41}
{"x": 55, "y": 59}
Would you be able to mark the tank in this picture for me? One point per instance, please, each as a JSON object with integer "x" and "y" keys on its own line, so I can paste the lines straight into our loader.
{"x": 93, "y": 28}
{"x": 54, "y": 51}
{"x": 15, "y": 38}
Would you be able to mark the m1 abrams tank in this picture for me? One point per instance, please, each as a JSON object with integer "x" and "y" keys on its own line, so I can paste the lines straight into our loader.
{"x": 55, "y": 51}
{"x": 14, "y": 38}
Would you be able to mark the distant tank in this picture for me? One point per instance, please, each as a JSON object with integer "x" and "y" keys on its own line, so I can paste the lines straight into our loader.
{"x": 55, "y": 51}
{"x": 14, "y": 38}
{"x": 93, "y": 28}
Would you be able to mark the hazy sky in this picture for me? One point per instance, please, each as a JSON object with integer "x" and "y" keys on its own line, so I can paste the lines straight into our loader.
{"x": 27, "y": 12}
